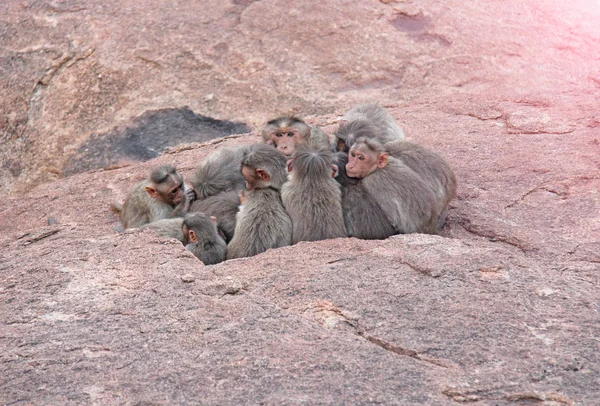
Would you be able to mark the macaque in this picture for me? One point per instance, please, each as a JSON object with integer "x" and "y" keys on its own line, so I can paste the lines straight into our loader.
{"x": 363, "y": 216}
{"x": 203, "y": 239}
{"x": 198, "y": 232}
{"x": 312, "y": 197}
{"x": 432, "y": 168}
{"x": 219, "y": 172}
{"x": 224, "y": 206}
{"x": 287, "y": 133}
{"x": 369, "y": 121}
{"x": 160, "y": 197}
{"x": 262, "y": 221}
{"x": 407, "y": 200}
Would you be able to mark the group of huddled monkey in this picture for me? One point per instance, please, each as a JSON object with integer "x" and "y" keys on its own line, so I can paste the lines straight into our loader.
{"x": 295, "y": 186}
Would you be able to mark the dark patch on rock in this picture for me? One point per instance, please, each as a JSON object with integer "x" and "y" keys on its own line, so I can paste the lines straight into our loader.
{"x": 147, "y": 137}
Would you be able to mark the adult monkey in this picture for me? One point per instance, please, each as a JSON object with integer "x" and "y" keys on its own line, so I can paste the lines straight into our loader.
{"x": 162, "y": 196}
{"x": 363, "y": 216}
{"x": 409, "y": 203}
{"x": 287, "y": 133}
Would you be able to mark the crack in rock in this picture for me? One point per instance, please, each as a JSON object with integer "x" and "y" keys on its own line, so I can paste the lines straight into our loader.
{"x": 331, "y": 316}
{"x": 483, "y": 395}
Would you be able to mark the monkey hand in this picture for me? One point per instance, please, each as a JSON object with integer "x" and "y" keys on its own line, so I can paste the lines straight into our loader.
{"x": 190, "y": 196}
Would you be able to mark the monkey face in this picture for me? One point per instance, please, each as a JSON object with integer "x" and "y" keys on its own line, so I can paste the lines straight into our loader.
{"x": 361, "y": 161}
{"x": 286, "y": 139}
{"x": 175, "y": 194}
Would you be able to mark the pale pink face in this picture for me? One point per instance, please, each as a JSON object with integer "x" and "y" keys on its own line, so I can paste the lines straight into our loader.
{"x": 286, "y": 139}
{"x": 361, "y": 161}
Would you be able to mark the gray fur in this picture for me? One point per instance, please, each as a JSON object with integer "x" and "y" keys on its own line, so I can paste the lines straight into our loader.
{"x": 262, "y": 223}
{"x": 219, "y": 172}
{"x": 263, "y": 156}
{"x": 139, "y": 208}
{"x": 407, "y": 200}
{"x": 432, "y": 168}
{"x": 210, "y": 248}
{"x": 224, "y": 206}
{"x": 363, "y": 215}
{"x": 312, "y": 197}
{"x": 171, "y": 228}
{"x": 318, "y": 138}
{"x": 382, "y": 126}
{"x": 313, "y": 135}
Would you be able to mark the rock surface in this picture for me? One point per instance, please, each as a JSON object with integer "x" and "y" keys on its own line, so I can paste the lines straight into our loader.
{"x": 502, "y": 308}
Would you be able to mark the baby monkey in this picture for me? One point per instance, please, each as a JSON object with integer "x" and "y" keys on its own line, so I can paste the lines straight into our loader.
{"x": 162, "y": 196}
{"x": 287, "y": 133}
{"x": 262, "y": 221}
{"x": 198, "y": 232}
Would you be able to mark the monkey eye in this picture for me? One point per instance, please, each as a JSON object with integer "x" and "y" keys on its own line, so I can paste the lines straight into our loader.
{"x": 278, "y": 135}
{"x": 290, "y": 134}
{"x": 361, "y": 158}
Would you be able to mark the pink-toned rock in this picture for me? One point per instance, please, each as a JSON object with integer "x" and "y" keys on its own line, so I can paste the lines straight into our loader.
{"x": 502, "y": 308}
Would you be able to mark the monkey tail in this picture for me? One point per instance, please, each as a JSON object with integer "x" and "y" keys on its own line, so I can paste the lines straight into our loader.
{"x": 116, "y": 207}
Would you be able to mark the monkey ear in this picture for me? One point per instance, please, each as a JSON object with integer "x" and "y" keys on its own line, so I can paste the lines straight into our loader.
{"x": 290, "y": 165}
{"x": 382, "y": 159}
{"x": 152, "y": 191}
{"x": 264, "y": 175}
{"x": 192, "y": 236}
{"x": 213, "y": 218}
{"x": 334, "y": 171}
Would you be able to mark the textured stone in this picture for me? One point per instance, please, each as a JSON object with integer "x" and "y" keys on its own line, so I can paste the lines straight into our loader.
{"x": 502, "y": 308}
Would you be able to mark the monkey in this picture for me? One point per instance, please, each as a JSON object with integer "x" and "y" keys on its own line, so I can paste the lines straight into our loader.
{"x": 363, "y": 216}
{"x": 286, "y": 133}
{"x": 262, "y": 222}
{"x": 407, "y": 200}
{"x": 198, "y": 232}
{"x": 162, "y": 196}
{"x": 219, "y": 172}
{"x": 432, "y": 168}
{"x": 204, "y": 240}
{"x": 224, "y": 206}
{"x": 312, "y": 197}
{"x": 370, "y": 121}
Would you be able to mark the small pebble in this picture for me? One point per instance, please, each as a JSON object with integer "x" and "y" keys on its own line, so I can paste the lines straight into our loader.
{"x": 188, "y": 278}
